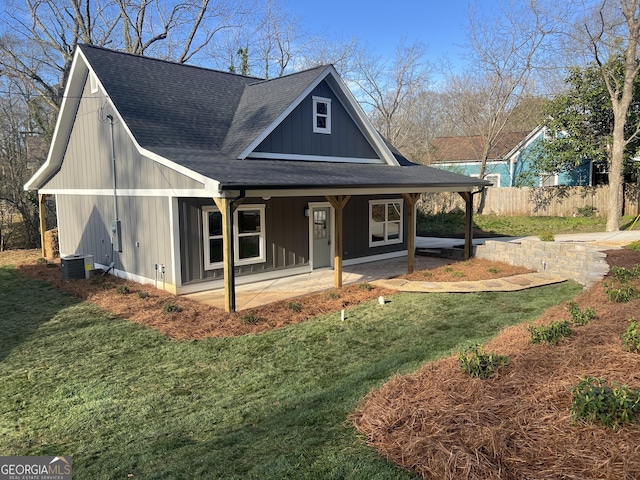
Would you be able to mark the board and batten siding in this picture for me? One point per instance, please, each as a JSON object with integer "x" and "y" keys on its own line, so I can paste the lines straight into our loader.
{"x": 355, "y": 227}
{"x": 84, "y": 223}
{"x": 87, "y": 161}
{"x": 286, "y": 232}
{"x": 295, "y": 134}
{"x": 286, "y": 237}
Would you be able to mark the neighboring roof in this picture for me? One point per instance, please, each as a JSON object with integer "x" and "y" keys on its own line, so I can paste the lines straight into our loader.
{"x": 459, "y": 149}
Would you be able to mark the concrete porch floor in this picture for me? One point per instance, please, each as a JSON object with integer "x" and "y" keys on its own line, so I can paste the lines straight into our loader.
{"x": 261, "y": 293}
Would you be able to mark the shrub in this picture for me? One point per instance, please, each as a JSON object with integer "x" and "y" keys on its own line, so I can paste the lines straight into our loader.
{"x": 476, "y": 363}
{"x": 123, "y": 290}
{"x": 42, "y": 261}
{"x": 333, "y": 295}
{"x": 619, "y": 288}
{"x": 171, "y": 308}
{"x": 586, "y": 211}
{"x": 546, "y": 236}
{"x": 492, "y": 270}
{"x": 634, "y": 245}
{"x": 143, "y": 294}
{"x": 457, "y": 274}
{"x": 624, "y": 293}
{"x": 294, "y": 306}
{"x": 624, "y": 275}
{"x": 448, "y": 269}
{"x": 551, "y": 334}
{"x": 249, "y": 319}
{"x": 578, "y": 317}
{"x": 598, "y": 403}
{"x": 630, "y": 337}
{"x": 365, "y": 286}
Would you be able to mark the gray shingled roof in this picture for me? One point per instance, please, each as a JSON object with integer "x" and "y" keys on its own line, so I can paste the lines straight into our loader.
{"x": 202, "y": 119}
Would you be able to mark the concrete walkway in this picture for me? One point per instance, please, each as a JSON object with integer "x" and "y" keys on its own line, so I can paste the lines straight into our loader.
{"x": 505, "y": 284}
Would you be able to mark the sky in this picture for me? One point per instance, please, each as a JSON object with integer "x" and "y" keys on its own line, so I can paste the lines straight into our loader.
{"x": 381, "y": 24}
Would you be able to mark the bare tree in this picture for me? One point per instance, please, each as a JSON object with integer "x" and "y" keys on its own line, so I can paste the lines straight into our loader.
{"x": 22, "y": 150}
{"x": 38, "y": 37}
{"x": 385, "y": 89}
{"x": 504, "y": 51}
{"x": 613, "y": 31}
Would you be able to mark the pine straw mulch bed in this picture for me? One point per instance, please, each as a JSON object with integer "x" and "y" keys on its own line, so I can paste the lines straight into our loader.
{"x": 196, "y": 320}
{"x": 469, "y": 270}
{"x": 441, "y": 424}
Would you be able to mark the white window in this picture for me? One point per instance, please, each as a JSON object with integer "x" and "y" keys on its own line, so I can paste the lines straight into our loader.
{"x": 548, "y": 180}
{"x": 385, "y": 222}
{"x": 489, "y": 177}
{"x": 321, "y": 115}
{"x": 248, "y": 236}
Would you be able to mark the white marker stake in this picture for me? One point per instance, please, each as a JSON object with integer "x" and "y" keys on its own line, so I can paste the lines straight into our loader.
{"x": 342, "y": 315}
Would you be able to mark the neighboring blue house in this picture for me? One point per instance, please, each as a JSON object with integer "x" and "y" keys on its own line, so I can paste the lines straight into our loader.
{"x": 510, "y": 159}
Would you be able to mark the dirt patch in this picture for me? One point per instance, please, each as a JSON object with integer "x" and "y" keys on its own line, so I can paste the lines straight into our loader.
{"x": 440, "y": 423}
{"x": 147, "y": 305}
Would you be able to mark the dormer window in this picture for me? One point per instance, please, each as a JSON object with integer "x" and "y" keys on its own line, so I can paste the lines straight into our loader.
{"x": 321, "y": 115}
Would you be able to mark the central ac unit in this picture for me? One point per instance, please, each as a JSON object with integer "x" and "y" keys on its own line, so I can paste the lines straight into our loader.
{"x": 76, "y": 266}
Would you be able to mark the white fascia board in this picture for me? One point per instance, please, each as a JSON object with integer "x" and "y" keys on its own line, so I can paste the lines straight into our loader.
{"x": 351, "y": 106}
{"x": 64, "y": 122}
{"x": 314, "y": 158}
{"x": 468, "y": 163}
{"x": 133, "y": 192}
{"x": 512, "y": 156}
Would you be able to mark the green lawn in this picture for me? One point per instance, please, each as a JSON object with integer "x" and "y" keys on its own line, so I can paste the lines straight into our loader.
{"x": 452, "y": 225}
{"x": 123, "y": 399}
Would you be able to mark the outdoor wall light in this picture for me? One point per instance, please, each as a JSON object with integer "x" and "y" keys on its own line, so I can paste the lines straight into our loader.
{"x": 306, "y": 211}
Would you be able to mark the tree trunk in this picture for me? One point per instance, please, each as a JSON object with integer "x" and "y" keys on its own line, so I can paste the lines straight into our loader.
{"x": 614, "y": 207}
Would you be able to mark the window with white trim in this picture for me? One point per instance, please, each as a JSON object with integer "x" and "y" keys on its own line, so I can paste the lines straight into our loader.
{"x": 385, "y": 222}
{"x": 248, "y": 236}
{"x": 321, "y": 115}
{"x": 489, "y": 177}
{"x": 548, "y": 180}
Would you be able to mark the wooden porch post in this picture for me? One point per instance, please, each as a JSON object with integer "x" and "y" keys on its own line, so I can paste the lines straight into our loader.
{"x": 411, "y": 199}
{"x": 338, "y": 202}
{"x": 43, "y": 223}
{"x": 224, "y": 205}
{"x": 468, "y": 229}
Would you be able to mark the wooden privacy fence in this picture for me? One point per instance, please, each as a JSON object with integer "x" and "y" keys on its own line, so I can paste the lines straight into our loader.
{"x": 559, "y": 201}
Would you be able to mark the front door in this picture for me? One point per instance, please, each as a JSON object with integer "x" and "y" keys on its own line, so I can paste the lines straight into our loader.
{"x": 321, "y": 225}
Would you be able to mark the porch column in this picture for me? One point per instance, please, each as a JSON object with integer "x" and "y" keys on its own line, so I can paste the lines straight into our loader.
{"x": 43, "y": 223}
{"x": 468, "y": 228}
{"x": 338, "y": 202}
{"x": 411, "y": 199}
{"x": 226, "y": 210}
